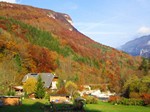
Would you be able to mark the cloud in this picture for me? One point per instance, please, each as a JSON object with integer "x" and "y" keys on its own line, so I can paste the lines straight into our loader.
{"x": 144, "y": 30}
{"x": 10, "y": 1}
{"x": 90, "y": 26}
{"x": 68, "y": 6}
{"x": 104, "y": 33}
{"x": 73, "y": 7}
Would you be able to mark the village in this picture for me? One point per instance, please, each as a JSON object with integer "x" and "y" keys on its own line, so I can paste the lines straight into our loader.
{"x": 50, "y": 83}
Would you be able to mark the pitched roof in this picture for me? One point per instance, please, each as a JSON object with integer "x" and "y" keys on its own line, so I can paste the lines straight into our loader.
{"x": 46, "y": 78}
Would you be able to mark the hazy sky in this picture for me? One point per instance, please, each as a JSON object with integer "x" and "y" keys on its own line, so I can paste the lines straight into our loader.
{"x": 110, "y": 22}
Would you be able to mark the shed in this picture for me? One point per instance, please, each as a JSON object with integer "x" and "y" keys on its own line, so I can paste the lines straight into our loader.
{"x": 63, "y": 98}
{"x": 10, "y": 100}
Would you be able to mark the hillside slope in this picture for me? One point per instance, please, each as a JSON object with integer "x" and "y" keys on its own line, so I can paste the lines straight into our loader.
{"x": 138, "y": 47}
{"x": 40, "y": 40}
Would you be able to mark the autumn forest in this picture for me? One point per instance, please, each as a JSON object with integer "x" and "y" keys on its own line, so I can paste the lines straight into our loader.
{"x": 33, "y": 42}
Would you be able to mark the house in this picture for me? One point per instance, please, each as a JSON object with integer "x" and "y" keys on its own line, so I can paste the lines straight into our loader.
{"x": 48, "y": 79}
{"x": 60, "y": 98}
{"x": 18, "y": 90}
{"x": 86, "y": 87}
{"x": 104, "y": 96}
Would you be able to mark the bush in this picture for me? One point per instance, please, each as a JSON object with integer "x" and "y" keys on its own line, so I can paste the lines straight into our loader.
{"x": 26, "y": 95}
{"x": 131, "y": 101}
{"x": 134, "y": 95}
{"x": 114, "y": 99}
{"x": 146, "y": 98}
{"x": 11, "y": 93}
{"x": 91, "y": 100}
{"x": 76, "y": 95}
{"x": 126, "y": 101}
{"x": 47, "y": 96}
{"x": 30, "y": 85}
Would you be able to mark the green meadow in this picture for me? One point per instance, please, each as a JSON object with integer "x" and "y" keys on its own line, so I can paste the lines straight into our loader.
{"x": 107, "y": 107}
{"x": 38, "y": 106}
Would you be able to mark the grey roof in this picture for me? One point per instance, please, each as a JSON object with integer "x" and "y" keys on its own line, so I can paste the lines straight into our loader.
{"x": 46, "y": 78}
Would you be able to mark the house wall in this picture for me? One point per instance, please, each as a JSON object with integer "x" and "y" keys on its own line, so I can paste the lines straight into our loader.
{"x": 54, "y": 85}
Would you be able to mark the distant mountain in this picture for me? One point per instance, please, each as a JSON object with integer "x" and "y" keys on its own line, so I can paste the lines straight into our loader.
{"x": 138, "y": 47}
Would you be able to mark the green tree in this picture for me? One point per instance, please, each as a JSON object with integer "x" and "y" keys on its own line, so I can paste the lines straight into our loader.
{"x": 131, "y": 85}
{"x": 137, "y": 86}
{"x": 144, "y": 86}
{"x": 145, "y": 66}
{"x": 71, "y": 88}
{"x": 8, "y": 74}
{"x": 40, "y": 90}
{"x": 30, "y": 85}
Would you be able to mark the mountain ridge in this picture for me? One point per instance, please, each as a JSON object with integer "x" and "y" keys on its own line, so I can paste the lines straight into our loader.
{"x": 42, "y": 42}
{"x": 138, "y": 47}
{"x": 63, "y": 28}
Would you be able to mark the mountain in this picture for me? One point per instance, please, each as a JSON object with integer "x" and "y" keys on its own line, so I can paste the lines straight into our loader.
{"x": 138, "y": 47}
{"x": 41, "y": 40}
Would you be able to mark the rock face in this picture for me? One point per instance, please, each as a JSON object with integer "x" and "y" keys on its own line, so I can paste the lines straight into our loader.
{"x": 138, "y": 47}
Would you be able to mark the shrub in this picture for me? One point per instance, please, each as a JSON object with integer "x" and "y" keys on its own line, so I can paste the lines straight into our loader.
{"x": 91, "y": 100}
{"x": 71, "y": 88}
{"x": 131, "y": 101}
{"x": 134, "y": 95}
{"x": 26, "y": 95}
{"x": 126, "y": 101}
{"x": 76, "y": 95}
{"x": 146, "y": 98}
{"x": 114, "y": 99}
{"x": 11, "y": 93}
{"x": 30, "y": 85}
{"x": 47, "y": 96}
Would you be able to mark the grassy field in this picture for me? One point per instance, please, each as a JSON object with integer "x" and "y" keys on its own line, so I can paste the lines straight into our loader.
{"x": 37, "y": 106}
{"x": 107, "y": 107}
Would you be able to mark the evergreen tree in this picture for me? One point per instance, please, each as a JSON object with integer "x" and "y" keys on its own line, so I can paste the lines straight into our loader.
{"x": 40, "y": 90}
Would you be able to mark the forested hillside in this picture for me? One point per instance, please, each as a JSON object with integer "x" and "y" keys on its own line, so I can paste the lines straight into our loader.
{"x": 39, "y": 40}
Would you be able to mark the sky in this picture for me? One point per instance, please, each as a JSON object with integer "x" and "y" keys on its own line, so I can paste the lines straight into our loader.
{"x": 110, "y": 22}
